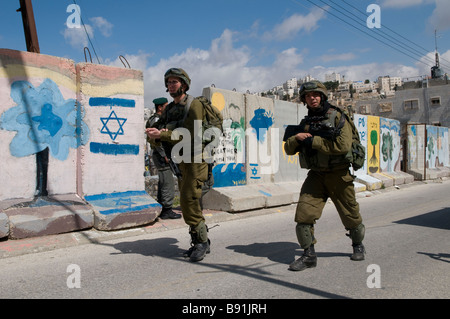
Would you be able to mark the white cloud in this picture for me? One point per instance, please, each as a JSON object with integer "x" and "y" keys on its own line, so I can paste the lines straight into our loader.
{"x": 424, "y": 67}
{"x": 440, "y": 19}
{"x": 338, "y": 57}
{"x": 77, "y": 37}
{"x": 227, "y": 67}
{"x": 103, "y": 25}
{"x": 294, "y": 24}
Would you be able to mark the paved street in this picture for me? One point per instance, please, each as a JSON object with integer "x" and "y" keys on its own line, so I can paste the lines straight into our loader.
{"x": 407, "y": 243}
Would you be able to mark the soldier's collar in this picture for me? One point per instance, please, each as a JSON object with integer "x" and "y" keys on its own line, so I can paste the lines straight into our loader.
{"x": 184, "y": 101}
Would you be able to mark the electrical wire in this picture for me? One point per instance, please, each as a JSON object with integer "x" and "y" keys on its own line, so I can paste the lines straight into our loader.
{"x": 425, "y": 51}
{"x": 87, "y": 33}
{"x": 363, "y": 30}
{"x": 394, "y": 40}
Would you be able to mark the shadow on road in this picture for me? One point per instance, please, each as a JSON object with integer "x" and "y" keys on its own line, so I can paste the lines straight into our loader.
{"x": 280, "y": 252}
{"x": 437, "y": 219}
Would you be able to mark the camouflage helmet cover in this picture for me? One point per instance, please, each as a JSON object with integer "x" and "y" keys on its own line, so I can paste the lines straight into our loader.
{"x": 313, "y": 86}
{"x": 179, "y": 73}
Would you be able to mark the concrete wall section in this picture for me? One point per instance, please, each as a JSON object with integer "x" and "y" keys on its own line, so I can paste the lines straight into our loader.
{"x": 230, "y": 158}
{"x": 373, "y": 144}
{"x": 113, "y": 101}
{"x": 390, "y": 147}
{"x": 37, "y": 111}
{"x": 287, "y": 113}
{"x": 361, "y": 125}
{"x": 262, "y": 140}
{"x": 437, "y": 147}
{"x": 91, "y": 120}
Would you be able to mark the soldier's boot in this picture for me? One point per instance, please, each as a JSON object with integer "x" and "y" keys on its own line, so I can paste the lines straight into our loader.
{"x": 358, "y": 252}
{"x": 306, "y": 240}
{"x": 357, "y": 236}
{"x": 200, "y": 243}
{"x": 307, "y": 260}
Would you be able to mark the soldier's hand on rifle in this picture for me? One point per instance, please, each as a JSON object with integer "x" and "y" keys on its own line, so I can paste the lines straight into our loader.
{"x": 302, "y": 136}
{"x": 154, "y": 133}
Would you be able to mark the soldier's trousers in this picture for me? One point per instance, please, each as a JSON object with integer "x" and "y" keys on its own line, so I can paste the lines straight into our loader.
{"x": 166, "y": 188}
{"x": 194, "y": 176}
{"x": 318, "y": 187}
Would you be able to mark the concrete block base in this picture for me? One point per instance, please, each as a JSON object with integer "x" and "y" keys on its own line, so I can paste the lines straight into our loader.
{"x": 241, "y": 198}
{"x": 371, "y": 182}
{"x": 123, "y": 210}
{"x": 4, "y": 225}
{"x": 48, "y": 216}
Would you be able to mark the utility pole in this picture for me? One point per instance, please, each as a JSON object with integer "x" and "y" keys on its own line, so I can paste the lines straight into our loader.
{"x": 31, "y": 38}
{"x": 29, "y": 26}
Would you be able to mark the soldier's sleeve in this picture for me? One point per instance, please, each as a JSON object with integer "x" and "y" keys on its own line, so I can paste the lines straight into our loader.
{"x": 291, "y": 146}
{"x": 341, "y": 145}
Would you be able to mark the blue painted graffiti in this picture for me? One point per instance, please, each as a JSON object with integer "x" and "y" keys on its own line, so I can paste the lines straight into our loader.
{"x": 43, "y": 118}
{"x": 113, "y": 118}
{"x": 116, "y": 203}
{"x": 113, "y": 149}
{"x": 234, "y": 175}
{"x": 105, "y": 101}
{"x": 261, "y": 122}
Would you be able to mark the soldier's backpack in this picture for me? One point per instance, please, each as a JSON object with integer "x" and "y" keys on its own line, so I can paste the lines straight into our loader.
{"x": 213, "y": 119}
{"x": 358, "y": 150}
{"x": 212, "y": 127}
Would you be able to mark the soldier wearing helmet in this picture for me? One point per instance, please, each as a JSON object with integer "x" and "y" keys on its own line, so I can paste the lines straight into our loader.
{"x": 326, "y": 152}
{"x": 184, "y": 113}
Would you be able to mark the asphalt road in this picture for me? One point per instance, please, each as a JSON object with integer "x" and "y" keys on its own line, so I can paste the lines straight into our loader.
{"x": 407, "y": 243}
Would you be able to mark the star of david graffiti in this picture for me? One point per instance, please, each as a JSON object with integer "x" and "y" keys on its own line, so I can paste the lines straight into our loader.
{"x": 110, "y": 124}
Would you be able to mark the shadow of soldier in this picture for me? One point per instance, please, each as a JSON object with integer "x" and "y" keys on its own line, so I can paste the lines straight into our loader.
{"x": 160, "y": 247}
{"x": 279, "y": 252}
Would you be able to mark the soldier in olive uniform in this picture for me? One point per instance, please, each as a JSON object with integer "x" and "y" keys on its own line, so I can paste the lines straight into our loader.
{"x": 328, "y": 158}
{"x": 186, "y": 113}
{"x": 166, "y": 184}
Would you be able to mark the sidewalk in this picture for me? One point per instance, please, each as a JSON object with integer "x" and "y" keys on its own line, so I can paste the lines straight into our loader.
{"x": 13, "y": 248}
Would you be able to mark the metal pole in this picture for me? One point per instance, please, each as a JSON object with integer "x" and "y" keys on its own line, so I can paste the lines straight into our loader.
{"x": 29, "y": 26}
{"x": 31, "y": 38}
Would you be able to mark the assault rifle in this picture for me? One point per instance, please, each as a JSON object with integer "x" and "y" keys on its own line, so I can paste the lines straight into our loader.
{"x": 174, "y": 168}
{"x": 316, "y": 128}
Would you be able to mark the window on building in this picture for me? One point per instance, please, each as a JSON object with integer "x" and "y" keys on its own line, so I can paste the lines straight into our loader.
{"x": 435, "y": 101}
{"x": 411, "y": 104}
{"x": 385, "y": 107}
{"x": 364, "y": 109}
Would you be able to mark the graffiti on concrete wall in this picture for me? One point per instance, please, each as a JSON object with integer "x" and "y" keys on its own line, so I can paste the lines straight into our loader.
{"x": 261, "y": 122}
{"x": 230, "y": 154}
{"x": 437, "y": 146}
{"x": 389, "y": 145}
{"x": 373, "y": 146}
{"x": 43, "y": 119}
{"x": 113, "y": 126}
{"x": 361, "y": 125}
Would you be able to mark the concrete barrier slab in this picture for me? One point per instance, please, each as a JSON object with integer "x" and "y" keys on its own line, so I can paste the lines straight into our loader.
{"x": 276, "y": 194}
{"x": 371, "y": 183}
{"x": 385, "y": 178}
{"x": 48, "y": 216}
{"x": 123, "y": 210}
{"x": 4, "y": 225}
{"x": 234, "y": 199}
{"x": 359, "y": 187}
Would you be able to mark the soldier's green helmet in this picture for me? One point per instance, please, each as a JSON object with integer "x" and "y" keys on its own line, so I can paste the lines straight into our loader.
{"x": 179, "y": 73}
{"x": 313, "y": 86}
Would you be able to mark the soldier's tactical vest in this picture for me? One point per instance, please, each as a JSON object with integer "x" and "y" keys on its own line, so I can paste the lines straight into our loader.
{"x": 312, "y": 159}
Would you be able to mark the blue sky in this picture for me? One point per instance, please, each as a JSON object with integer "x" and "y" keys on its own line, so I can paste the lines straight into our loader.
{"x": 245, "y": 45}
